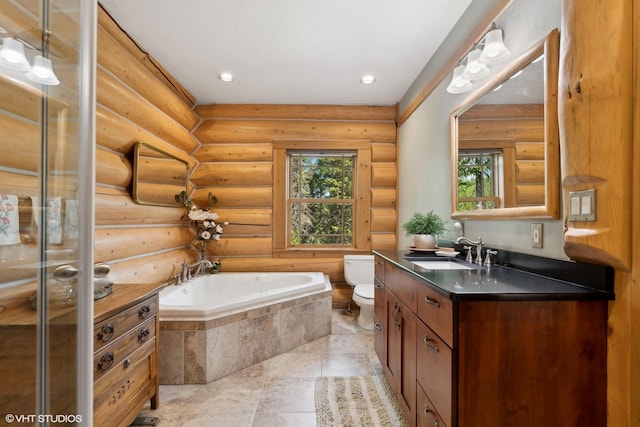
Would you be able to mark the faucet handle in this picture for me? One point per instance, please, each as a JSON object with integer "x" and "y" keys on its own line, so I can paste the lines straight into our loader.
{"x": 469, "y": 257}
{"x": 489, "y": 260}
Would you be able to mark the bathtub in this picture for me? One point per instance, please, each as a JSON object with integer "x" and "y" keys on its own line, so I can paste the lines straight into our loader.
{"x": 211, "y": 296}
{"x": 215, "y": 325}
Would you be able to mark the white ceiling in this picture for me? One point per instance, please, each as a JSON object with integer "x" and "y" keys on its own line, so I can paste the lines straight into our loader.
{"x": 290, "y": 51}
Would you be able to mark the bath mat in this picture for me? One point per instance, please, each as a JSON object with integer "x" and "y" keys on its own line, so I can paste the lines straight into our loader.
{"x": 356, "y": 401}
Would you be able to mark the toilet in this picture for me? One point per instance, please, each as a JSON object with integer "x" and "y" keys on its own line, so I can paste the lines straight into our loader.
{"x": 359, "y": 273}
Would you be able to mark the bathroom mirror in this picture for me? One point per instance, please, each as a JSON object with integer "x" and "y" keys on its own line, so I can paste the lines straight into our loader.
{"x": 157, "y": 176}
{"x": 505, "y": 154}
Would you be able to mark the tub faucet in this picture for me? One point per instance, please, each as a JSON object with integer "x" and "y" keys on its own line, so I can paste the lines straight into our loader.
{"x": 186, "y": 272}
{"x": 199, "y": 267}
{"x": 478, "y": 244}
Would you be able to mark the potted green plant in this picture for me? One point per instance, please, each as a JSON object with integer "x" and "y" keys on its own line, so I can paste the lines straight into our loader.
{"x": 425, "y": 229}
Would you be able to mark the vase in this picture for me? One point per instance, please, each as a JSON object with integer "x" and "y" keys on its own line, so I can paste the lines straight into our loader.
{"x": 203, "y": 250}
{"x": 425, "y": 241}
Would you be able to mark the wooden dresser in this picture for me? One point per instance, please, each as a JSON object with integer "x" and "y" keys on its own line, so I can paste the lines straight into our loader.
{"x": 125, "y": 369}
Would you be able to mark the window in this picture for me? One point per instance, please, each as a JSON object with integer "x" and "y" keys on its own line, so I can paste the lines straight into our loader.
{"x": 479, "y": 180}
{"x": 322, "y": 196}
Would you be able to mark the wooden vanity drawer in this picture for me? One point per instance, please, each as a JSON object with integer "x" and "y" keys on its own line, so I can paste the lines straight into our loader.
{"x": 119, "y": 350}
{"x": 434, "y": 370}
{"x": 403, "y": 285}
{"x": 117, "y": 394}
{"x": 427, "y": 415}
{"x": 110, "y": 329}
{"x": 436, "y": 311}
{"x": 378, "y": 298}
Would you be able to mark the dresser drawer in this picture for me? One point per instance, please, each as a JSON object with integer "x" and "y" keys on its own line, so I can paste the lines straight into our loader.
{"x": 434, "y": 370}
{"x": 436, "y": 311}
{"x": 119, "y": 395}
{"x": 427, "y": 415}
{"x": 119, "y": 350}
{"x": 378, "y": 299}
{"x": 110, "y": 329}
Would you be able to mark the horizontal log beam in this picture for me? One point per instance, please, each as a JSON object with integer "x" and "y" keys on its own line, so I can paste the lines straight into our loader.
{"x": 313, "y": 112}
{"x": 257, "y": 131}
{"x": 234, "y": 153}
{"x": 234, "y": 174}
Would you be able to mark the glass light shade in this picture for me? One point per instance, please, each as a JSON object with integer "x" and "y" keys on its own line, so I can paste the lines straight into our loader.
{"x": 458, "y": 83}
{"x": 42, "y": 72}
{"x": 12, "y": 55}
{"x": 494, "y": 50}
{"x": 475, "y": 70}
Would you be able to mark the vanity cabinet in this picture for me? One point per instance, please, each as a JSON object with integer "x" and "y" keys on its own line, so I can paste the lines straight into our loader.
{"x": 493, "y": 360}
{"x": 125, "y": 369}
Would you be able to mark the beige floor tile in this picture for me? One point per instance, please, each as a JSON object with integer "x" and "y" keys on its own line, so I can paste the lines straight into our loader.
{"x": 278, "y": 392}
{"x": 285, "y": 419}
{"x": 288, "y": 395}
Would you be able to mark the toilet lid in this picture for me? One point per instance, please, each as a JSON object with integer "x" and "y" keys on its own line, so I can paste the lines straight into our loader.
{"x": 364, "y": 291}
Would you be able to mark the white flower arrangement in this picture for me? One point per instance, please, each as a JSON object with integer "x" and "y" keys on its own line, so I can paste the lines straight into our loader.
{"x": 202, "y": 220}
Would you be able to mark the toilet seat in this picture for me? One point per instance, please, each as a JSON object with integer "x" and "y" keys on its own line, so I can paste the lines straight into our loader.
{"x": 364, "y": 291}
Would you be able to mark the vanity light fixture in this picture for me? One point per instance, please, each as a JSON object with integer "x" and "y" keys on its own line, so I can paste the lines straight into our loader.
{"x": 458, "y": 83}
{"x": 494, "y": 51}
{"x": 226, "y": 77}
{"x": 12, "y": 56}
{"x": 475, "y": 70}
{"x": 42, "y": 72}
{"x": 489, "y": 50}
{"x": 367, "y": 79}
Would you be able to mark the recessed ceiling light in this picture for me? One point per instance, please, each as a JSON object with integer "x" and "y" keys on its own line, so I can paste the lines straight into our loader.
{"x": 367, "y": 79}
{"x": 226, "y": 77}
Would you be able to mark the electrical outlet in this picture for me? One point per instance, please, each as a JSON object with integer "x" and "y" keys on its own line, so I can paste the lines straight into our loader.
{"x": 536, "y": 235}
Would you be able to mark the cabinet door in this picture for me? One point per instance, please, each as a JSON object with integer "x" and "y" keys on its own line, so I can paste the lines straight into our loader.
{"x": 407, "y": 380}
{"x": 380, "y": 322}
{"x": 391, "y": 362}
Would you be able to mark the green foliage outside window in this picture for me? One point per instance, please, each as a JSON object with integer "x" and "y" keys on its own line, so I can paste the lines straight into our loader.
{"x": 321, "y": 198}
{"x": 475, "y": 180}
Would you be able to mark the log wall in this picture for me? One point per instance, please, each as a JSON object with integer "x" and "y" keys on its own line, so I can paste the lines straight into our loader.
{"x": 236, "y": 164}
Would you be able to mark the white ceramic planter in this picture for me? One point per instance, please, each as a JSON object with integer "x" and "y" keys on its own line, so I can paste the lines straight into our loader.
{"x": 425, "y": 241}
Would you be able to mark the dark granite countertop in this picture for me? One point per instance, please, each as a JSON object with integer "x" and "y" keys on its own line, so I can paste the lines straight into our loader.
{"x": 494, "y": 283}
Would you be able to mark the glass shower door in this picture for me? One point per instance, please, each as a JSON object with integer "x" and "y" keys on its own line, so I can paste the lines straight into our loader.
{"x": 47, "y": 109}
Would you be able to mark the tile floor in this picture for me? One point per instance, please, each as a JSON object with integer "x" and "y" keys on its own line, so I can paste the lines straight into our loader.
{"x": 278, "y": 392}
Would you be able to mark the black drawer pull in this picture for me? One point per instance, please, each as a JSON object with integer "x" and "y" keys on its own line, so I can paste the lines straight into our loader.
{"x": 106, "y": 333}
{"x": 430, "y": 344}
{"x": 144, "y": 311}
{"x": 430, "y": 418}
{"x": 378, "y": 326}
{"x": 143, "y": 335}
{"x": 105, "y": 362}
{"x": 127, "y": 362}
{"x": 378, "y": 286}
{"x": 432, "y": 302}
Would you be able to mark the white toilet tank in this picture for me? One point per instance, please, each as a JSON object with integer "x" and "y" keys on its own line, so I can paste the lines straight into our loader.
{"x": 359, "y": 269}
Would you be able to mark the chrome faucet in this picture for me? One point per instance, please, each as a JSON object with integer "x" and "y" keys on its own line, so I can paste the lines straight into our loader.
{"x": 199, "y": 267}
{"x": 478, "y": 244}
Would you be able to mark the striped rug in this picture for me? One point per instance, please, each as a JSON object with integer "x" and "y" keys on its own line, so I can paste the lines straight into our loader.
{"x": 356, "y": 401}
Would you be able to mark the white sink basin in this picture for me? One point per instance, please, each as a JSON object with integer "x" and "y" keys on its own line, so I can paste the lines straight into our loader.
{"x": 441, "y": 265}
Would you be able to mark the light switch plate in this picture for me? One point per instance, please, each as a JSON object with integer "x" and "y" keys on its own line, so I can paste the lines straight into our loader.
{"x": 582, "y": 205}
{"x": 536, "y": 235}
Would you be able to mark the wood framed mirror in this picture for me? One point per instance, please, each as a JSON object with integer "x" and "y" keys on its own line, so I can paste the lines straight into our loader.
{"x": 158, "y": 176}
{"x": 505, "y": 153}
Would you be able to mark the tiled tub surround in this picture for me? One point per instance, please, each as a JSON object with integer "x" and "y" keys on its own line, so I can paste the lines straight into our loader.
{"x": 201, "y": 351}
